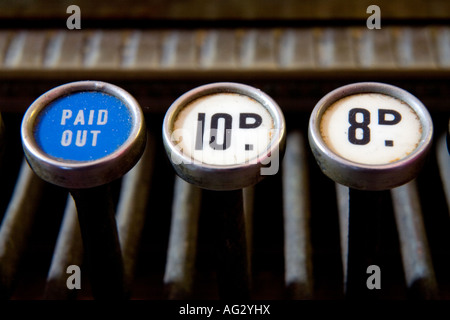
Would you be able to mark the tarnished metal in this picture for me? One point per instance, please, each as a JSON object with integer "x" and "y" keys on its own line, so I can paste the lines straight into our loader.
{"x": 249, "y": 201}
{"x": 16, "y": 227}
{"x": 68, "y": 251}
{"x": 132, "y": 210}
{"x": 342, "y": 197}
{"x": 130, "y": 217}
{"x": 233, "y": 51}
{"x": 229, "y": 229}
{"x": 181, "y": 253}
{"x": 83, "y": 174}
{"x": 416, "y": 256}
{"x": 366, "y": 176}
{"x": 224, "y": 177}
{"x": 366, "y": 211}
{"x": 297, "y": 242}
{"x": 443, "y": 160}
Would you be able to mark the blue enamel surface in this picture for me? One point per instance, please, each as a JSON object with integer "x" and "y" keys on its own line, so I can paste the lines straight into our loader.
{"x": 83, "y": 126}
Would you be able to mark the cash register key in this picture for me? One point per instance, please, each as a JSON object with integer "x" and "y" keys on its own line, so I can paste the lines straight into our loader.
{"x": 224, "y": 137}
{"x": 82, "y": 136}
{"x": 370, "y": 136}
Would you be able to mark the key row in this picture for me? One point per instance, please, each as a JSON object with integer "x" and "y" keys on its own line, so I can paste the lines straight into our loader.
{"x": 222, "y": 137}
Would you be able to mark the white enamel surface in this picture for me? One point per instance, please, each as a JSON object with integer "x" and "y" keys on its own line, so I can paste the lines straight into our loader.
{"x": 185, "y": 128}
{"x": 388, "y": 142}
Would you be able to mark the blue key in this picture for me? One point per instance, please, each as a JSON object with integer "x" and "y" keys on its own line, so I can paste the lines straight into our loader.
{"x": 82, "y": 136}
{"x": 84, "y": 126}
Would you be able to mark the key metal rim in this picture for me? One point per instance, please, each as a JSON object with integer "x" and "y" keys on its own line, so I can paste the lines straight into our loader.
{"x": 224, "y": 177}
{"x": 369, "y": 177}
{"x": 83, "y": 174}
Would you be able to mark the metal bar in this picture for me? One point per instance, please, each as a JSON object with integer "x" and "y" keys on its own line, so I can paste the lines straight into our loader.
{"x": 249, "y": 196}
{"x": 297, "y": 242}
{"x": 16, "y": 227}
{"x": 335, "y": 48}
{"x": 271, "y": 50}
{"x": 233, "y": 277}
{"x": 100, "y": 241}
{"x": 68, "y": 251}
{"x": 443, "y": 159}
{"x": 131, "y": 209}
{"x": 258, "y": 49}
{"x": 342, "y": 196}
{"x": 417, "y": 264}
{"x": 130, "y": 214}
{"x": 181, "y": 253}
{"x": 365, "y": 211}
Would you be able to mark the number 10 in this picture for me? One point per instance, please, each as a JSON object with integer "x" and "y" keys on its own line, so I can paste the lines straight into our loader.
{"x": 243, "y": 124}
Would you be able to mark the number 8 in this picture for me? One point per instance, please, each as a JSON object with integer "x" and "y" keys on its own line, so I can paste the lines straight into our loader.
{"x": 365, "y": 139}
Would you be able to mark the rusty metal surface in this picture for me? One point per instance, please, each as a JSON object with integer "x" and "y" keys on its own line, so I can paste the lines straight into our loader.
{"x": 199, "y": 52}
{"x": 417, "y": 263}
{"x": 17, "y": 226}
{"x": 297, "y": 240}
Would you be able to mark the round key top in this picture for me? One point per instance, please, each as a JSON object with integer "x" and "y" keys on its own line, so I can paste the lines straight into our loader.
{"x": 224, "y": 136}
{"x": 83, "y": 134}
{"x": 370, "y": 136}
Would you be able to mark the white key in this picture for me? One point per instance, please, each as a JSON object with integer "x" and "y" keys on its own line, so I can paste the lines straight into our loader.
{"x": 370, "y": 135}
{"x": 224, "y": 136}
{"x": 371, "y": 128}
